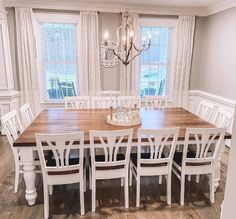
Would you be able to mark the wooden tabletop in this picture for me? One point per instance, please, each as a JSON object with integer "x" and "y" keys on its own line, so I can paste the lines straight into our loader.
{"x": 62, "y": 120}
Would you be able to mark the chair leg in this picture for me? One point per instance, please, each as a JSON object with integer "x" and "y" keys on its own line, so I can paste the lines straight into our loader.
{"x": 197, "y": 178}
{"x": 84, "y": 179}
{"x": 17, "y": 175}
{"x": 169, "y": 189}
{"x": 182, "y": 189}
{"x": 90, "y": 179}
{"x": 81, "y": 197}
{"x": 189, "y": 178}
{"x": 160, "y": 180}
{"x": 212, "y": 188}
{"x": 130, "y": 174}
{"x": 126, "y": 190}
{"x": 137, "y": 191}
{"x": 46, "y": 201}
{"x": 50, "y": 188}
{"x": 93, "y": 194}
{"x": 122, "y": 182}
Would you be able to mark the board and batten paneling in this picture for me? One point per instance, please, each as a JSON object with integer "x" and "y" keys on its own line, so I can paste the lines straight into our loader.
{"x": 195, "y": 96}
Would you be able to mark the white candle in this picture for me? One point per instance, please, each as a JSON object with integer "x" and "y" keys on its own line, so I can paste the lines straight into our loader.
{"x": 149, "y": 36}
{"x": 106, "y": 35}
{"x": 124, "y": 39}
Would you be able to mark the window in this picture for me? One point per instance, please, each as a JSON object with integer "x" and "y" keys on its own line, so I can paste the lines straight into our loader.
{"x": 155, "y": 62}
{"x": 59, "y": 59}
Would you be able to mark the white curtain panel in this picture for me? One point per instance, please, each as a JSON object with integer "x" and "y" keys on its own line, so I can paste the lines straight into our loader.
{"x": 129, "y": 75}
{"x": 89, "y": 68}
{"x": 26, "y": 51}
{"x": 183, "y": 59}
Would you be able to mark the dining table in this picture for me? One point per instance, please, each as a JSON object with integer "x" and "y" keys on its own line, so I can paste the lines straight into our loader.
{"x": 57, "y": 120}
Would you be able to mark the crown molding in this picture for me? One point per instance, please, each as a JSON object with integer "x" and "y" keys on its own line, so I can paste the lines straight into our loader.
{"x": 118, "y": 7}
{"x": 219, "y": 7}
{"x": 102, "y": 7}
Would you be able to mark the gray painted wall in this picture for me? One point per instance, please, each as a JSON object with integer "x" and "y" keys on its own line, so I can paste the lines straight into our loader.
{"x": 214, "y": 58}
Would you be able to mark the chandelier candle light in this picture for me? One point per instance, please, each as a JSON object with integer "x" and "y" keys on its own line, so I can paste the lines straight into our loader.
{"x": 124, "y": 50}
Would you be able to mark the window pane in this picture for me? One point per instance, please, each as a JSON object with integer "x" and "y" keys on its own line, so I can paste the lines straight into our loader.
{"x": 59, "y": 56}
{"x": 153, "y": 62}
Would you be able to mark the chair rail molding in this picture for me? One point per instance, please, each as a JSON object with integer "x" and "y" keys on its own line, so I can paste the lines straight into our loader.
{"x": 9, "y": 99}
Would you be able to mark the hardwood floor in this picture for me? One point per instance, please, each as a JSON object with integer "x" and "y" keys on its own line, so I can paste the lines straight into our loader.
{"x": 64, "y": 203}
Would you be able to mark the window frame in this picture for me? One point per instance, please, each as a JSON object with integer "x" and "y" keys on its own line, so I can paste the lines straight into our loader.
{"x": 53, "y": 18}
{"x": 171, "y": 23}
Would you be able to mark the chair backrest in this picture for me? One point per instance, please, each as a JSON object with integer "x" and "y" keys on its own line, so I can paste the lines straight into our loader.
{"x": 26, "y": 115}
{"x": 155, "y": 102}
{"x": 63, "y": 146}
{"x": 204, "y": 145}
{"x": 107, "y": 144}
{"x": 102, "y": 102}
{"x": 205, "y": 110}
{"x": 12, "y": 126}
{"x": 160, "y": 142}
{"x": 67, "y": 89}
{"x": 78, "y": 102}
{"x": 223, "y": 118}
{"x": 128, "y": 101}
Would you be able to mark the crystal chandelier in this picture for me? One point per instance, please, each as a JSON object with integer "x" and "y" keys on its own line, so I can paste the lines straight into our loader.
{"x": 124, "y": 49}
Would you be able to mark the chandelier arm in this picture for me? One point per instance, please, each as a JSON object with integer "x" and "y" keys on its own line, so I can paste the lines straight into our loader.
{"x": 145, "y": 49}
{"x": 138, "y": 49}
{"x": 118, "y": 56}
{"x": 129, "y": 51}
{"x": 137, "y": 54}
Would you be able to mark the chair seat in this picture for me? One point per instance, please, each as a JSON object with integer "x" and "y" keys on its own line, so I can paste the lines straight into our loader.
{"x": 101, "y": 158}
{"x": 178, "y": 157}
{"x": 134, "y": 159}
{"x": 72, "y": 161}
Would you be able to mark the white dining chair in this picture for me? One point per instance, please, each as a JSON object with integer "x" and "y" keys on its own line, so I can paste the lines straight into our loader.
{"x": 13, "y": 128}
{"x": 77, "y": 102}
{"x": 65, "y": 167}
{"x": 158, "y": 161}
{"x": 26, "y": 115}
{"x": 155, "y": 102}
{"x": 201, "y": 160}
{"x": 205, "y": 110}
{"x": 103, "y": 102}
{"x": 223, "y": 118}
{"x": 110, "y": 159}
{"x": 128, "y": 101}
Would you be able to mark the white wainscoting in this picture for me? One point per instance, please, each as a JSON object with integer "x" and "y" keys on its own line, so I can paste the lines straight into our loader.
{"x": 9, "y": 100}
{"x": 195, "y": 96}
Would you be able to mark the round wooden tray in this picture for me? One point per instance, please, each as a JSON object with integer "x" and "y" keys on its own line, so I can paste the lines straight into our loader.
{"x": 115, "y": 122}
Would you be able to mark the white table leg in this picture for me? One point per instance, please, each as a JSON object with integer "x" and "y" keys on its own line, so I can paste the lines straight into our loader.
{"x": 27, "y": 158}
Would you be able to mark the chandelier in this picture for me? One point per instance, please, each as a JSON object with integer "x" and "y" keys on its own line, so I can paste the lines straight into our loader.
{"x": 124, "y": 49}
